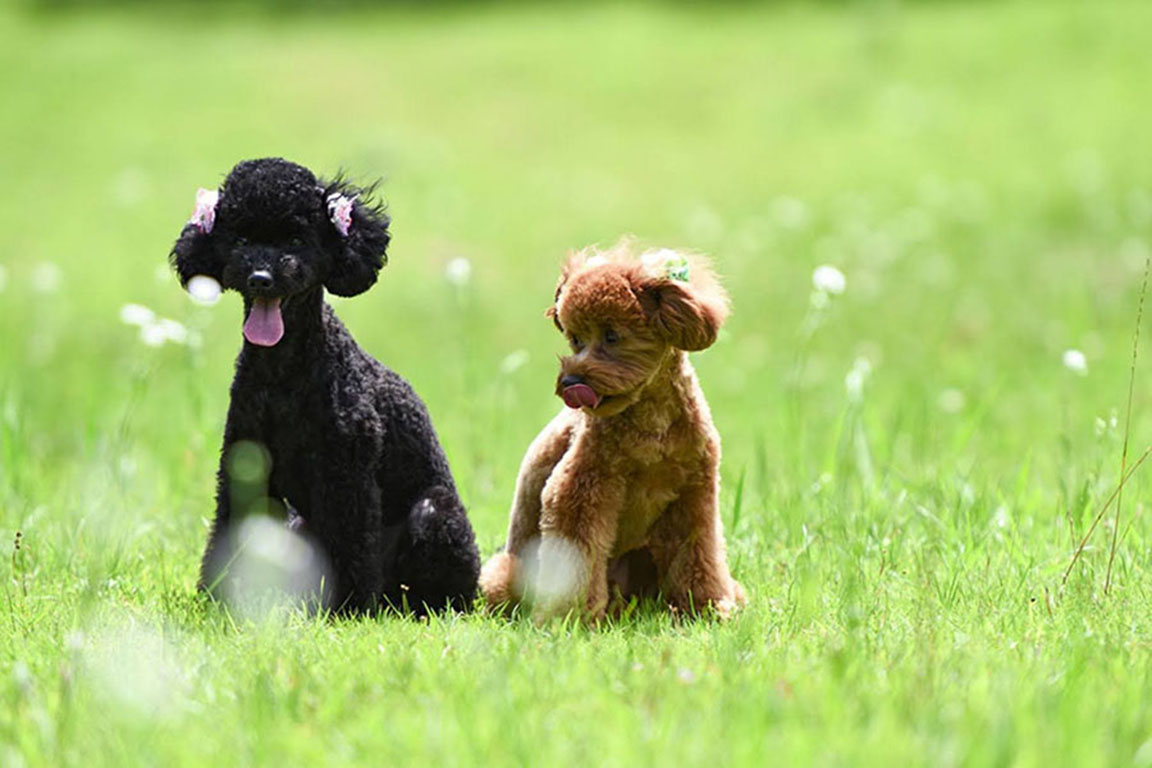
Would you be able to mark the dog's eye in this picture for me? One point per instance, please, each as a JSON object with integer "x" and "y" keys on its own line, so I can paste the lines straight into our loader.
{"x": 575, "y": 342}
{"x": 611, "y": 337}
{"x": 296, "y": 242}
{"x": 241, "y": 241}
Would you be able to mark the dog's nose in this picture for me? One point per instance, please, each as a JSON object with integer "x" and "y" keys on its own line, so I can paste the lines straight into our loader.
{"x": 571, "y": 381}
{"x": 261, "y": 278}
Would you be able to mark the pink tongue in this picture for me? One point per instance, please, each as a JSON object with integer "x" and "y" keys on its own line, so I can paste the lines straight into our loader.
{"x": 580, "y": 396}
{"x": 264, "y": 325}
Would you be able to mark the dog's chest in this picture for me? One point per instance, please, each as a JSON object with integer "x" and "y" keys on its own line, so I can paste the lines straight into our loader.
{"x": 650, "y": 489}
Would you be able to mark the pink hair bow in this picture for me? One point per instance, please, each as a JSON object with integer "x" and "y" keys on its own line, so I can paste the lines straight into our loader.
{"x": 340, "y": 212}
{"x": 204, "y": 216}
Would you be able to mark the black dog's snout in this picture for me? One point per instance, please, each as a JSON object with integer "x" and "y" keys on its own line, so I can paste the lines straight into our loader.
{"x": 261, "y": 279}
{"x": 571, "y": 381}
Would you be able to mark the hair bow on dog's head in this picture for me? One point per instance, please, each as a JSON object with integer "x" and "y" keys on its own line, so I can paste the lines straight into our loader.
{"x": 340, "y": 212}
{"x": 667, "y": 263}
{"x": 204, "y": 215}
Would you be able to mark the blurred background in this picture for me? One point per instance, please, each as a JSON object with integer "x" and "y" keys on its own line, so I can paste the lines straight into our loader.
{"x": 934, "y": 219}
{"x": 977, "y": 173}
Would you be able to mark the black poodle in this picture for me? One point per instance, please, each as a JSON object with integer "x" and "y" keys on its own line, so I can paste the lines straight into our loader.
{"x": 353, "y": 452}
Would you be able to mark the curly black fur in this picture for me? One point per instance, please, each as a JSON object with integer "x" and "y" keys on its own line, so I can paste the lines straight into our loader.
{"x": 353, "y": 452}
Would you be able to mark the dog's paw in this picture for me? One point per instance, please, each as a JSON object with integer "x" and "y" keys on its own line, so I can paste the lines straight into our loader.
{"x": 498, "y": 579}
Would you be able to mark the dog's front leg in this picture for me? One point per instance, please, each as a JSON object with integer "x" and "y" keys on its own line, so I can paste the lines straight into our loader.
{"x": 500, "y": 581}
{"x": 581, "y": 508}
{"x": 348, "y": 525}
{"x": 695, "y": 572}
{"x": 214, "y": 563}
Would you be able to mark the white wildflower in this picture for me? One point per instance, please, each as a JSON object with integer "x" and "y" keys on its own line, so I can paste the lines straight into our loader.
{"x": 173, "y": 331}
{"x": 459, "y": 271}
{"x": 153, "y": 335}
{"x": 130, "y": 187}
{"x": 951, "y": 401}
{"x": 514, "y": 361}
{"x": 789, "y": 212}
{"x": 1075, "y": 361}
{"x": 137, "y": 314}
{"x": 46, "y": 277}
{"x": 856, "y": 378}
{"x": 828, "y": 279}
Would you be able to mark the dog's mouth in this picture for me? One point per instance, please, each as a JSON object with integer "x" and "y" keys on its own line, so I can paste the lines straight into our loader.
{"x": 264, "y": 326}
{"x": 581, "y": 396}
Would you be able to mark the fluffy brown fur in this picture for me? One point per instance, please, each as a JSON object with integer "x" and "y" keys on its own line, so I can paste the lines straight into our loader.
{"x": 621, "y": 488}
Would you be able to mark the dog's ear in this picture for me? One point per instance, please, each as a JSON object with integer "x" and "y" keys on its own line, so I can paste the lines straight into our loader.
{"x": 684, "y": 302}
{"x": 194, "y": 252}
{"x": 361, "y": 238}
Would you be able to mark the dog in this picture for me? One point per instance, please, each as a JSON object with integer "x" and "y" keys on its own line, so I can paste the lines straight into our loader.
{"x": 617, "y": 496}
{"x": 353, "y": 454}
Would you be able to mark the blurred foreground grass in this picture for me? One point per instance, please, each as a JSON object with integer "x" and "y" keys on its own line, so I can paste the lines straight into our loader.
{"x": 981, "y": 175}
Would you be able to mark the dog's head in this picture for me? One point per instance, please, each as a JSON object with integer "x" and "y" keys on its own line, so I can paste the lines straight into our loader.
{"x": 624, "y": 314}
{"x": 274, "y": 231}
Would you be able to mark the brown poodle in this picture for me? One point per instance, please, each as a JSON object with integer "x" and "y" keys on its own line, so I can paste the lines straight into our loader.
{"x": 618, "y": 494}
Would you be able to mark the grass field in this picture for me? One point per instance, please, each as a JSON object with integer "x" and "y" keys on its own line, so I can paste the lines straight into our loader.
{"x": 979, "y": 172}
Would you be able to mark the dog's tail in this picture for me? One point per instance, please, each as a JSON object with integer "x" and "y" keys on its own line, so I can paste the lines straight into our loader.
{"x": 438, "y": 564}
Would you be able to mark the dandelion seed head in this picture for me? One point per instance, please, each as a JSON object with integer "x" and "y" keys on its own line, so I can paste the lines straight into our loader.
{"x": 47, "y": 277}
{"x": 130, "y": 187}
{"x": 153, "y": 335}
{"x": 856, "y": 378}
{"x": 137, "y": 314}
{"x": 828, "y": 279}
{"x": 1001, "y": 518}
{"x": 789, "y": 212}
{"x": 951, "y": 401}
{"x": 22, "y": 676}
{"x": 514, "y": 361}
{"x": 173, "y": 331}
{"x": 458, "y": 271}
{"x": 1075, "y": 361}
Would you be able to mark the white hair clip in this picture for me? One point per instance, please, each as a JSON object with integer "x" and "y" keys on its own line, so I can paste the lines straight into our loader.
{"x": 204, "y": 216}
{"x": 340, "y": 212}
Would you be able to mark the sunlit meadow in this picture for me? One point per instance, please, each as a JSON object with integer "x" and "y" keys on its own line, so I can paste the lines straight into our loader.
{"x": 933, "y": 219}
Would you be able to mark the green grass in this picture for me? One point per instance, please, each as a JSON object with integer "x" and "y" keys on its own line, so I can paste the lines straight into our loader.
{"x": 979, "y": 172}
